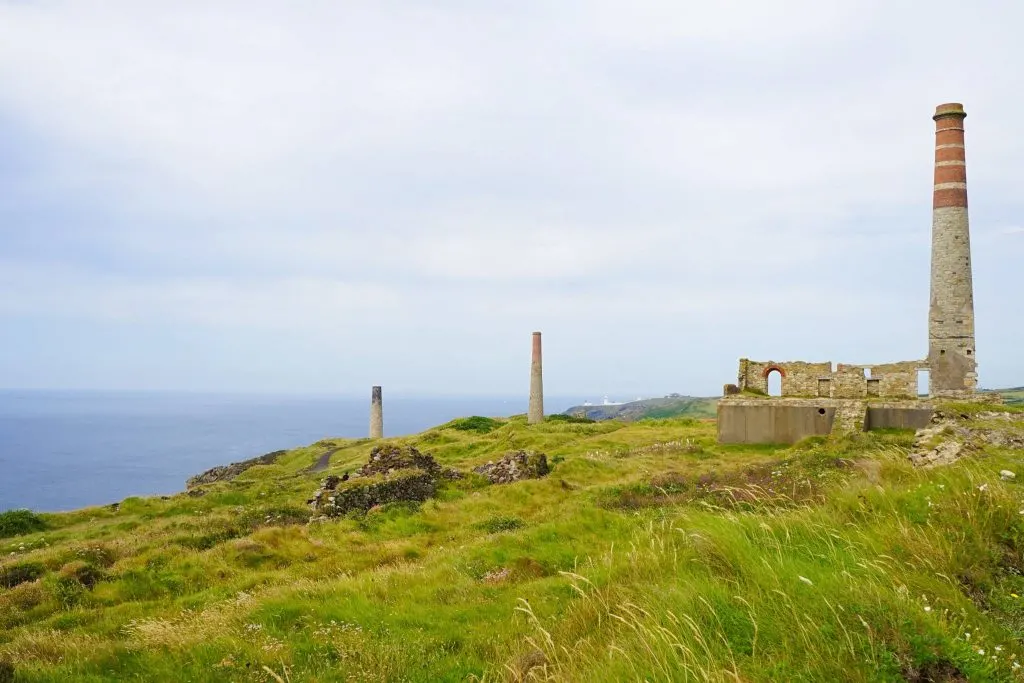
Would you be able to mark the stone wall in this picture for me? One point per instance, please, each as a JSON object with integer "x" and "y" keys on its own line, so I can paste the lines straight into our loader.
{"x": 805, "y": 380}
{"x": 798, "y": 378}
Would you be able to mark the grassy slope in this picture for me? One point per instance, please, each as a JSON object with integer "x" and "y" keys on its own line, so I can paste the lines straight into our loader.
{"x": 831, "y": 560}
{"x": 1013, "y": 396}
{"x": 651, "y": 408}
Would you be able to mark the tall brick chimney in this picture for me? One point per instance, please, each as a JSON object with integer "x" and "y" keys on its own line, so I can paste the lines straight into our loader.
{"x": 951, "y": 352}
{"x": 376, "y": 414}
{"x": 535, "y": 414}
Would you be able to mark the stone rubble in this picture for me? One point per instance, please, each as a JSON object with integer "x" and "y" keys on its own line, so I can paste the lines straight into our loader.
{"x": 391, "y": 474}
{"x": 953, "y": 436}
{"x": 515, "y": 466}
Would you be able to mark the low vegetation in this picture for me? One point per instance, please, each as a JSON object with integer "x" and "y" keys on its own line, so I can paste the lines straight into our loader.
{"x": 650, "y": 552}
{"x": 20, "y": 522}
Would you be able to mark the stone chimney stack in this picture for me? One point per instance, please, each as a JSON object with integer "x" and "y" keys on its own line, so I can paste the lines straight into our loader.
{"x": 535, "y": 414}
{"x": 951, "y": 351}
{"x": 376, "y": 414}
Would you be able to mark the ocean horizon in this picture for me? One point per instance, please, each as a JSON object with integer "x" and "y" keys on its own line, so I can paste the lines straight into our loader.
{"x": 62, "y": 450}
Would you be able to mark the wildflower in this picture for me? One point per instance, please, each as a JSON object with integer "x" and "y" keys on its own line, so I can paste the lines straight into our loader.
{"x": 983, "y": 488}
{"x": 980, "y": 651}
{"x": 967, "y": 635}
{"x": 805, "y": 580}
{"x": 927, "y": 608}
{"x": 999, "y": 648}
{"x": 1016, "y": 665}
{"x": 1014, "y": 595}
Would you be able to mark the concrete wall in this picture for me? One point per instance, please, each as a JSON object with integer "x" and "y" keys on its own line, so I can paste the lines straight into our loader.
{"x": 898, "y": 418}
{"x": 767, "y": 423}
{"x": 745, "y": 419}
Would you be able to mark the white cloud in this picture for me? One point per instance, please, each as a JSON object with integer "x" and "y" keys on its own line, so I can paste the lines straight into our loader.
{"x": 256, "y": 164}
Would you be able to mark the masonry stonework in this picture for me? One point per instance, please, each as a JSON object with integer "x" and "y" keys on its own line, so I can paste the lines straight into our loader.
{"x": 819, "y": 398}
{"x": 951, "y": 349}
{"x": 802, "y": 379}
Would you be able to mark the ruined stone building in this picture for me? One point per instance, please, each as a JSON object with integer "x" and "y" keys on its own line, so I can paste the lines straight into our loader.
{"x": 818, "y": 398}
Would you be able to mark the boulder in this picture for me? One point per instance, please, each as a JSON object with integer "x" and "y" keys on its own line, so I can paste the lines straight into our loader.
{"x": 391, "y": 474}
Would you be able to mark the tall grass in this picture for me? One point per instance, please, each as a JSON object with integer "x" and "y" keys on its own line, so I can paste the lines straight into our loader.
{"x": 649, "y": 553}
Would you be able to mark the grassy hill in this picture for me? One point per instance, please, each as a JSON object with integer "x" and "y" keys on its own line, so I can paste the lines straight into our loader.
{"x": 650, "y": 408}
{"x": 1013, "y": 396}
{"x": 649, "y": 553}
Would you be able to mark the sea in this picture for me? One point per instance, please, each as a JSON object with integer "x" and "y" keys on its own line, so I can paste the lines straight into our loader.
{"x": 61, "y": 450}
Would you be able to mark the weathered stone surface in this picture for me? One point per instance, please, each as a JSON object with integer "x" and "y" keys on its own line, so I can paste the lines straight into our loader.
{"x": 229, "y": 472}
{"x": 514, "y": 467}
{"x": 806, "y": 380}
{"x": 391, "y": 474}
{"x": 385, "y": 459}
{"x": 362, "y": 494}
{"x": 1007, "y": 475}
{"x": 952, "y": 436}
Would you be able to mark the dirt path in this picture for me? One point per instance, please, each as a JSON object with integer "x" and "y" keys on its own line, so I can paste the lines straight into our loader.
{"x": 324, "y": 461}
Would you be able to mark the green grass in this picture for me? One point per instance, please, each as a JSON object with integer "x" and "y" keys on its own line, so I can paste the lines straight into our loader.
{"x": 649, "y": 553}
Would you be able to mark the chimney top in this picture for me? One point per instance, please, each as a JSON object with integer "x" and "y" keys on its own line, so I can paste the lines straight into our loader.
{"x": 949, "y": 109}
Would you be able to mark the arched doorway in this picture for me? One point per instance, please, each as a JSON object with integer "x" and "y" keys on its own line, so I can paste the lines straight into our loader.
{"x": 774, "y": 378}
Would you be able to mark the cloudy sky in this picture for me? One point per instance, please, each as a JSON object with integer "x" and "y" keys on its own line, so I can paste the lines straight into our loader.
{"x": 321, "y": 196}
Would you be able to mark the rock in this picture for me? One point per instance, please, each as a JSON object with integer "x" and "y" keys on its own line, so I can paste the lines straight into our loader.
{"x": 951, "y": 436}
{"x": 515, "y": 466}
{"x": 391, "y": 474}
{"x": 1007, "y": 475}
{"x": 229, "y": 472}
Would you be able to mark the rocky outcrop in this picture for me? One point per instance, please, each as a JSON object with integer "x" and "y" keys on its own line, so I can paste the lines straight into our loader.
{"x": 392, "y": 474}
{"x": 387, "y": 459}
{"x": 952, "y": 436}
{"x": 362, "y": 494}
{"x": 229, "y": 472}
{"x": 515, "y": 466}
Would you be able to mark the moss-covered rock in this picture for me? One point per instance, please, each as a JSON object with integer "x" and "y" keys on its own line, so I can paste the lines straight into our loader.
{"x": 392, "y": 474}
{"x": 515, "y": 466}
{"x": 366, "y": 492}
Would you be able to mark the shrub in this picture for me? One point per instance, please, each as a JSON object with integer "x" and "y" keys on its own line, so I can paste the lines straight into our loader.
{"x": 84, "y": 573}
{"x": 19, "y": 522}
{"x": 274, "y": 515}
{"x": 67, "y": 590}
{"x": 476, "y": 423}
{"x": 14, "y": 574}
{"x": 499, "y": 523}
{"x": 571, "y": 419}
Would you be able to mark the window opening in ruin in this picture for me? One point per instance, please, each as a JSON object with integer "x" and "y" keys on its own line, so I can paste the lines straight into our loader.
{"x": 821, "y": 411}
{"x": 923, "y": 381}
{"x": 968, "y": 352}
{"x": 774, "y": 383}
{"x": 867, "y": 373}
{"x": 874, "y": 387}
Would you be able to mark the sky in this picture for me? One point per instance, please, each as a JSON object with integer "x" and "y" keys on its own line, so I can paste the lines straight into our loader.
{"x": 322, "y": 196}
